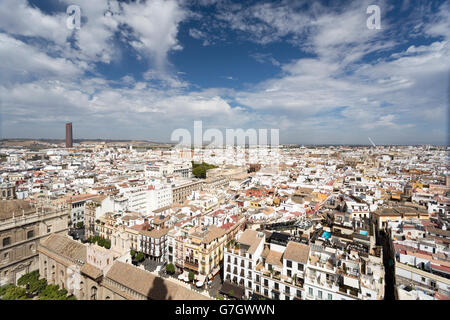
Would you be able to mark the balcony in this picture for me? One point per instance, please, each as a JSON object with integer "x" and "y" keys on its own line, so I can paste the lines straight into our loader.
{"x": 191, "y": 265}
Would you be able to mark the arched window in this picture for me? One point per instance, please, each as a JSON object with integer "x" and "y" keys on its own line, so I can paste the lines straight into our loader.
{"x": 94, "y": 293}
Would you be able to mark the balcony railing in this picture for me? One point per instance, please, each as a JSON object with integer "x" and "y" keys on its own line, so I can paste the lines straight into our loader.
{"x": 190, "y": 265}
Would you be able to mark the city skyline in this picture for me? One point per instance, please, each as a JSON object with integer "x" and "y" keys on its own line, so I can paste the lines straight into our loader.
{"x": 140, "y": 70}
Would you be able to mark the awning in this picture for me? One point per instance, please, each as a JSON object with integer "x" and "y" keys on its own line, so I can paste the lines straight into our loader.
{"x": 200, "y": 277}
{"x": 199, "y": 284}
{"x": 232, "y": 290}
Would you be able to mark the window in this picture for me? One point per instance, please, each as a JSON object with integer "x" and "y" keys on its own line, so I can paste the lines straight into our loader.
{"x": 94, "y": 293}
{"x": 30, "y": 234}
{"x": 289, "y": 273}
{"x": 289, "y": 264}
{"x": 299, "y": 293}
{"x": 287, "y": 289}
{"x": 320, "y": 294}
{"x": 6, "y": 241}
{"x": 49, "y": 229}
{"x": 423, "y": 279}
{"x": 300, "y": 267}
{"x": 276, "y": 285}
{"x": 266, "y": 282}
{"x": 310, "y": 291}
{"x": 330, "y": 296}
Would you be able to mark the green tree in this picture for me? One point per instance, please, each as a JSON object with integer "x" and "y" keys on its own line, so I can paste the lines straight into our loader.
{"x": 15, "y": 293}
{"x": 32, "y": 283}
{"x": 231, "y": 293}
{"x": 132, "y": 253}
{"x": 170, "y": 268}
{"x": 140, "y": 257}
{"x": 27, "y": 278}
{"x": 191, "y": 276}
{"x": 4, "y": 288}
{"x": 80, "y": 225}
{"x": 52, "y": 292}
{"x": 199, "y": 172}
{"x": 199, "y": 169}
{"x": 37, "y": 286}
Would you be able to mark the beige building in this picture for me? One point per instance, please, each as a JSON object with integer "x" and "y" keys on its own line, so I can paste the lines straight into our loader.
{"x": 22, "y": 226}
{"x": 93, "y": 273}
{"x": 90, "y": 215}
{"x": 180, "y": 192}
{"x": 7, "y": 191}
{"x": 203, "y": 250}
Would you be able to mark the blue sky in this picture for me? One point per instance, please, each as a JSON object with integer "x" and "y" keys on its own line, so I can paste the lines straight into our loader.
{"x": 141, "y": 69}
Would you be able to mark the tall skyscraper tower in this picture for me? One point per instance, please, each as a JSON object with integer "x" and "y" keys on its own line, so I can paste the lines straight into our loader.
{"x": 69, "y": 141}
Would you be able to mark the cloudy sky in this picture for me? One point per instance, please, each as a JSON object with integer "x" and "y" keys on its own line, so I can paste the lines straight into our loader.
{"x": 141, "y": 69}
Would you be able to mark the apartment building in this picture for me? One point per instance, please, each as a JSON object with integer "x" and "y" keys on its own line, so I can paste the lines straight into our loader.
{"x": 175, "y": 249}
{"x": 271, "y": 270}
{"x": 154, "y": 244}
{"x": 204, "y": 249}
{"x": 78, "y": 207}
{"x": 240, "y": 261}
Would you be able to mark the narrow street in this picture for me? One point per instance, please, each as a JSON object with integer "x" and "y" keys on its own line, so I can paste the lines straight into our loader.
{"x": 389, "y": 267}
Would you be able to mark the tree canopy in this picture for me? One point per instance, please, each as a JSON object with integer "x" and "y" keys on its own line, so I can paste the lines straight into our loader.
{"x": 170, "y": 268}
{"x": 29, "y": 286}
{"x": 199, "y": 169}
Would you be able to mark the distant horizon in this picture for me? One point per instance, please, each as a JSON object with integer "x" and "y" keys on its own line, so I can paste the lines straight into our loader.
{"x": 62, "y": 140}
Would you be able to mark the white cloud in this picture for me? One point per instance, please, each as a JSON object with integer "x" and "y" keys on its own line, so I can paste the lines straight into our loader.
{"x": 155, "y": 24}
{"x": 20, "y": 62}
